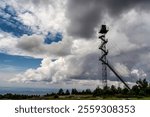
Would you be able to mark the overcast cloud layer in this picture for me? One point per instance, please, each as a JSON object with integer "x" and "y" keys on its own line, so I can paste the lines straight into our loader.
{"x": 85, "y": 15}
{"x": 75, "y": 58}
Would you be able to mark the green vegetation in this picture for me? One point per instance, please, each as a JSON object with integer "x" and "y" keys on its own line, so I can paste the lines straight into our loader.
{"x": 139, "y": 91}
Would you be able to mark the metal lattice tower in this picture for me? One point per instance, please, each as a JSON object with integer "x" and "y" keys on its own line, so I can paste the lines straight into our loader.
{"x": 104, "y": 51}
{"x": 105, "y": 62}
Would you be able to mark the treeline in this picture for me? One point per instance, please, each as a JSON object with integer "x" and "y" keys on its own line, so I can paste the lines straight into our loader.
{"x": 18, "y": 96}
{"x": 140, "y": 89}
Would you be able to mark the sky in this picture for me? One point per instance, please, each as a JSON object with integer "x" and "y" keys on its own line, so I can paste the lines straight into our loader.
{"x": 54, "y": 43}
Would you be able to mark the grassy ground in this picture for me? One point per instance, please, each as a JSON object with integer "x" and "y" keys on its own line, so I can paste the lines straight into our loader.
{"x": 79, "y": 97}
{"x": 90, "y": 97}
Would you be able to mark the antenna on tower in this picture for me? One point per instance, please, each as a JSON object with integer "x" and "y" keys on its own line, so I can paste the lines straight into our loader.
{"x": 103, "y": 58}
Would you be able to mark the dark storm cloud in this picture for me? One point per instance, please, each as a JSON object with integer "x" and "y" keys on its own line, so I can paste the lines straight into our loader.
{"x": 85, "y": 15}
{"x": 91, "y": 67}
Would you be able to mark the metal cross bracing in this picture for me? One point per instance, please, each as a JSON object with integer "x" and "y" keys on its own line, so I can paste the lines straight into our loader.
{"x": 104, "y": 60}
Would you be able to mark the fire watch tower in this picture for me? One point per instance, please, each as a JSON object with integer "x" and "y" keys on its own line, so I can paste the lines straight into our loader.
{"x": 104, "y": 60}
{"x": 104, "y": 51}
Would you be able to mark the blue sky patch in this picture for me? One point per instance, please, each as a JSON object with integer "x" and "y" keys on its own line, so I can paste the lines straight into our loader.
{"x": 18, "y": 61}
{"x": 10, "y": 10}
{"x": 53, "y": 38}
{"x": 10, "y": 23}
